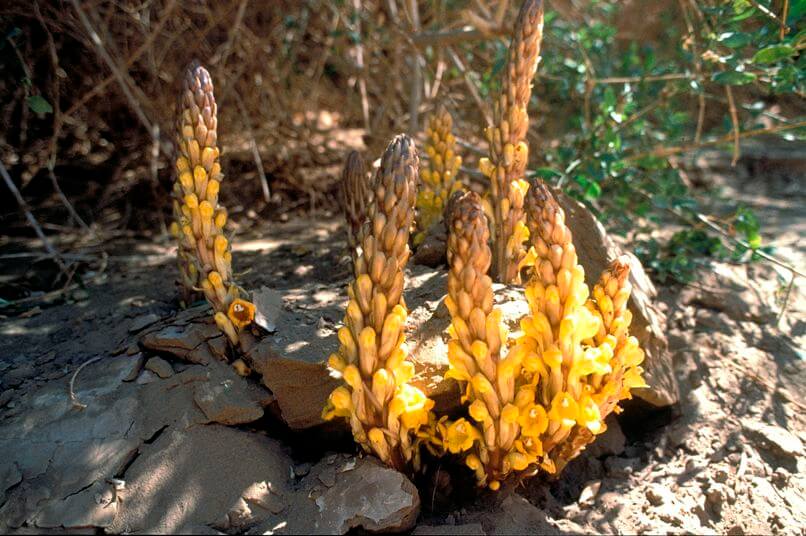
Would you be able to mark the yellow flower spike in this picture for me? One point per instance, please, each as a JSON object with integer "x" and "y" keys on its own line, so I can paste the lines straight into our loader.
{"x": 439, "y": 180}
{"x": 241, "y": 313}
{"x": 460, "y": 436}
{"x": 390, "y": 418}
{"x": 517, "y": 461}
{"x": 510, "y": 414}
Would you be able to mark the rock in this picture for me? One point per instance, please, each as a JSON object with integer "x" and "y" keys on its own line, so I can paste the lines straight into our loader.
{"x": 620, "y": 467}
{"x": 596, "y": 251}
{"x": 728, "y": 288}
{"x": 142, "y": 322}
{"x": 366, "y": 495}
{"x": 160, "y": 367}
{"x": 609, "y": 443}
{"x": 146, "y": 377}
{"x": 93, "y": 507}
{"x": 775, "y": 439}
{"x": 469, "y": 529}
{"x": 589, "y": 493}
{"x": 184, "y": 341}
{"x": 658, "y": 495}
{"x": 198, "y": 477}
{"x": 268, "y": 307}
{"x": 6, "y": 396}
{"x": 226, "y": 398}
{"x": 516, "y": 515}
{"x": 136, "y": 364}
{"x": 19, "y": 374}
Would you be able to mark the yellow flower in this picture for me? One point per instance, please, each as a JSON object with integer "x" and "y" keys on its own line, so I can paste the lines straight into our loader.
{"x": 415, "y": 406}
{"x": 533, "y": 421}
{"x": 589, "y": 416}
{"x": 478, "y": 410}
{"x": 564, "y": 409}
{"x": 460, "y": 436}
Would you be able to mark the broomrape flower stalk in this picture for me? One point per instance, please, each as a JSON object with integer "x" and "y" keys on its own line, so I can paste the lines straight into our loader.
{"x": 567, "y": 348}
{"x": 439, "y": 180}
{"x": 355, "y": 194}
{"x": 384, "y": 411}
{"x": 205, "y": 257}
{"x": 509, "y": 152}
{"x": 502, "y": 415}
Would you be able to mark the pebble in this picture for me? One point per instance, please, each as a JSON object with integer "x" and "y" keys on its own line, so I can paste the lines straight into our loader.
{"x": 160, "y": 367}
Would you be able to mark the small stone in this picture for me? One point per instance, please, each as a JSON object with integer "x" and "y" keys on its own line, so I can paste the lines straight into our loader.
{"x": 160, "y": 367}
{"x": 620, "y": 467}
{"x": 609, "y": 443}
{"x": 715, "y": 497}
{"x": 372, "y": 496}
{"x": 136, "y": 364}
{"x": 301, "y": 469}
{"x": 328, "y": 476}
{"x": 589, "y": 493}
{"x": 81, "y": 295}
{"x": 146, "y": 377}
{"x": 226, "y": 399}
{"x": 780, "y": 477}
{"x": 775, "y": 439}
{"x": 658, "y": 495}
{"x": 142, "y": 322}
{"x": 721, "y": 476}
{"x": 6, "y": 396}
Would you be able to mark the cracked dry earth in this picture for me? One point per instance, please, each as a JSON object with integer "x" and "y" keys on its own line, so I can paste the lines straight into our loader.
{"x": 183, "y": 444}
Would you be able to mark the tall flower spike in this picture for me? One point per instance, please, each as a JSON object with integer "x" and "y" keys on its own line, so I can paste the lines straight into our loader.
{"x": 509, "y": 152}
{"x": 385, "y": 412}
{"x": 554, "y": 333}
{"x": 493, "y": 445}
{"x": 355, "y": 194}
{"x": 205, "y": 257}
{"x": 609, "y": 302}
{"x": 439, "y": 179}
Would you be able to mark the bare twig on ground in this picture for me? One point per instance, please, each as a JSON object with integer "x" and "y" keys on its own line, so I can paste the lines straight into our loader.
{"x": 264, "y": 183}
{"x": 73, "y": 398}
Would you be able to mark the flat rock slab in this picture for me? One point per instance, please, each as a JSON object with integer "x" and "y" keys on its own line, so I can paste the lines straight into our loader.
{"x": 198, "y": 477}
{"x": 56, "y": 460}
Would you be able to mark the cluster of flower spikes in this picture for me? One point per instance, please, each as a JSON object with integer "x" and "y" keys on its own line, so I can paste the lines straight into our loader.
{"x": 439, "y": 179}
{"x": 509, "y": 152}
{"x": 385, "y": 412}
{"x": 205, "y": 257}
{"x": 575, "y": 349}
{"x": 573, "y": 362}
{"x": 355, "y": 196}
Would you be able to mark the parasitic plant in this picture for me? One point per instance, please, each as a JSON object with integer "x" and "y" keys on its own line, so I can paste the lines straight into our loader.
{"x": 478, "y": 340}
{"x": 508, "y": 149}
{"x": 385, "y": 412}
{"x": 572, "y": 363}
{"x": 439, "y": 179}
{"x": 205, "y": 257}
{"x": 355, "y": 195}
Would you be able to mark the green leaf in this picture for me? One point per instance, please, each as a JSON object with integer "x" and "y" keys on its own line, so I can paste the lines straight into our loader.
{"x": 39, "y": 105}
{"x": 734, "y": 39}
{"x": 773, "y": 53}
{"x": 733, "y": 78}
{"x": 546, "y": 173}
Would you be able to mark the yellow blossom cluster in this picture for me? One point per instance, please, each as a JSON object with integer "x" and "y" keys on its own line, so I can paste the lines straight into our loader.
{"x": 205, "y": 257}
{"x": 542, "y": 402}
{"x": 439, "y": 179}
{"x": 385, "y": 412}
{"x": 509, "y": 152}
